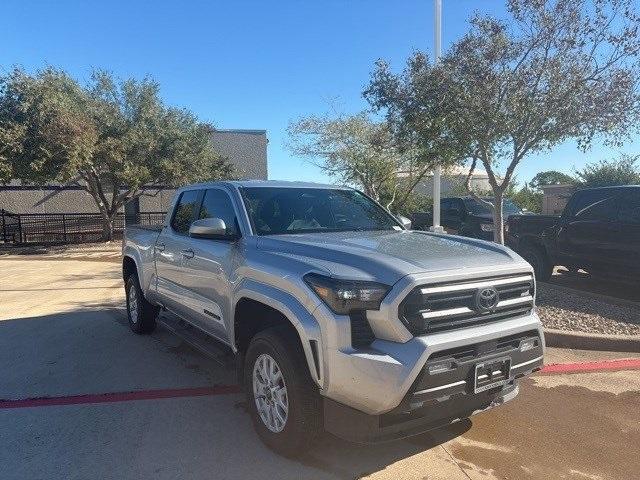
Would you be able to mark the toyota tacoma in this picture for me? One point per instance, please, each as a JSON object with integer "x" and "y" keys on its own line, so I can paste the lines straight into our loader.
{"x": 342, "y": 319}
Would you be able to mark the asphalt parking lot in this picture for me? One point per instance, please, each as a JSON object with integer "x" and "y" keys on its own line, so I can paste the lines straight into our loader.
{"x": 63, "y": 335}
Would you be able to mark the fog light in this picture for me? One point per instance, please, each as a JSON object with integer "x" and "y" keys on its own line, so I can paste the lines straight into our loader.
{"x": 528, "y": 344}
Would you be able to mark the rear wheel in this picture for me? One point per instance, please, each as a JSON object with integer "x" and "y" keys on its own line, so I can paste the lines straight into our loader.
{"x": 539, "y": 260}
{"x": 141, "y": 314}
{"x": 282, "y": 399}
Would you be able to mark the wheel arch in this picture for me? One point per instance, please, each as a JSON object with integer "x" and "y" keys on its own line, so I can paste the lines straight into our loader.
{"x": 279, "y": 307}
{"x": 129, "y": 267}
{"x": 531, "y": 241}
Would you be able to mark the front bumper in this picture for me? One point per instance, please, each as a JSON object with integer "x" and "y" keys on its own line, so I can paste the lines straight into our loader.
{"x": 442, "y": 392}
{"x": 377, "y": 380}
{"x": 356, "y": 426}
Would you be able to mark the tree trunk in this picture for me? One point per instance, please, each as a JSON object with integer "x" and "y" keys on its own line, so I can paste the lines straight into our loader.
{"x": 107, "y": 228}
{"x": 498, "y": 223}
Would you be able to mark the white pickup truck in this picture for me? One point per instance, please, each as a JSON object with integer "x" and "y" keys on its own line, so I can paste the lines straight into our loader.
{"x": 342, "y": 319}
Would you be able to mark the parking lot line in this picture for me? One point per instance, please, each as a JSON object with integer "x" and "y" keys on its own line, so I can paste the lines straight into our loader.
{"x": 120, "y": 396}
{"x": 112, "y": 397}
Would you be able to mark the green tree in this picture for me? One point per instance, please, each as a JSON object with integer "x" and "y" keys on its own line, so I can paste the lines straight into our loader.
{"x": 528, "y": 198}
{"x": 356, "y": 151}
{"x": 550, "y": 177}
{"x": 610, "y": 173}
{"x": 117, "y": 139}
{"x": 558, "y": 70}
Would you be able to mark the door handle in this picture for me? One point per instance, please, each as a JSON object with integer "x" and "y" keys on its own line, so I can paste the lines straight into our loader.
{"x": 187, "y": 253}
{"x": 160, "y": 247}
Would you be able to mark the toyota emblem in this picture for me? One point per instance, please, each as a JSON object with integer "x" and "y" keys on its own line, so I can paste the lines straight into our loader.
{"x": 487, "y": 299}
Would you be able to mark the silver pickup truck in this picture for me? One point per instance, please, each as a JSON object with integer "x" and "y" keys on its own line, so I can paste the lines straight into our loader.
{"x": 341, "y": 318}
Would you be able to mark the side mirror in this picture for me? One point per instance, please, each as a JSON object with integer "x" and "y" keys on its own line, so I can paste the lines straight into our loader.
{"x": 208, "y": 228}
{"x": 406, "y": 223}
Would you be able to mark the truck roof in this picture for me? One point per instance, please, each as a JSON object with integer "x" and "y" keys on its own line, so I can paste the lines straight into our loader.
{"x": 611, "y": 187}
{"x": 270, "y": 183}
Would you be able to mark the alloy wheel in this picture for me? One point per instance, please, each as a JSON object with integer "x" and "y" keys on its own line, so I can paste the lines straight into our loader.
{"x": 270, "y": 393}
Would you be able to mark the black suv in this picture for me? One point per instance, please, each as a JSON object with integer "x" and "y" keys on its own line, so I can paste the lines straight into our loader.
{"x": 466, "y": 216}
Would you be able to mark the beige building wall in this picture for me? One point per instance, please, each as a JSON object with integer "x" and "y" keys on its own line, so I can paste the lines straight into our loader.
{"x": 17, "y": 199}
{"x": 555, "y": 198}
{"x": 246, "y": 150}
{"x": 449, "y": 183}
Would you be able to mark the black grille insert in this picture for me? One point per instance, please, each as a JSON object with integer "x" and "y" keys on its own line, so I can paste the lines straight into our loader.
{"x": 448, "y": 306}
{"x": 361, "y": 333}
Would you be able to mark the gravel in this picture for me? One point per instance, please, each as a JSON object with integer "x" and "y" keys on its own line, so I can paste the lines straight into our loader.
{"x": 564, "y": 310}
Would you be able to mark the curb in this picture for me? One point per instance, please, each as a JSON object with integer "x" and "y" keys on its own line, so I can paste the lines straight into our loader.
{"x": 590, "y": 367}
{"x": 592, "y": 341}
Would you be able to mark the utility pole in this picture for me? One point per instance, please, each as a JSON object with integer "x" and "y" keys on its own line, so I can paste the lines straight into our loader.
{"x": 437, "y": 21}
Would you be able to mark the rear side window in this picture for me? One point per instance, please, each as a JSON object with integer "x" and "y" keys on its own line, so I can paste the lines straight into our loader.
{"x": 596, "y": 205}
{"x": 185, "y": 211}
{"x": 629, "y": 211}
{"x": 217, "y": 204}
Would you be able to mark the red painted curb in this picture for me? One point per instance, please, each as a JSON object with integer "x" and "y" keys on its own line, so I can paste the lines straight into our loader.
{"x": 605, "y": 365}
{"x": 558, "y": 368}
{"x": 119, "y": 396}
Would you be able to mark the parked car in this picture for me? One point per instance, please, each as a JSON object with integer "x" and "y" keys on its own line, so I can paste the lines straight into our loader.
{"x": 466, "y": 216}
{"x": 598, "y": 231}
{"x": 340, "y": 317}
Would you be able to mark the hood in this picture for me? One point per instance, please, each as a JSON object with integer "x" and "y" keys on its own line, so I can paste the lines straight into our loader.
{"x": 386, "y": 256}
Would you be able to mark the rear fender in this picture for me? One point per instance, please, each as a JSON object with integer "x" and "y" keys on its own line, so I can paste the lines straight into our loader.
{"x": 145, "y": 267}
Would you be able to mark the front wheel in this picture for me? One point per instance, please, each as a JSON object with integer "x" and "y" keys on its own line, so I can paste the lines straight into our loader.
{"x": 282, "y": 399}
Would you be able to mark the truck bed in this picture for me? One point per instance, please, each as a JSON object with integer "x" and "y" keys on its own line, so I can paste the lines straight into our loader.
{"x": 153, "y": 228}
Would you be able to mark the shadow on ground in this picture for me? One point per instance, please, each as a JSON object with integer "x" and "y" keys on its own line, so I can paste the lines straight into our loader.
{"x": 92, "y": 351}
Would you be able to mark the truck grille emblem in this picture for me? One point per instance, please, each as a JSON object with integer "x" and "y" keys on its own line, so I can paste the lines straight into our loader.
{"x": 487, "y": 299}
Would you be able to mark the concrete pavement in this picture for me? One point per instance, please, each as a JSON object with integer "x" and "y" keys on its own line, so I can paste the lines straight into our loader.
{"x": 63, "y": 333}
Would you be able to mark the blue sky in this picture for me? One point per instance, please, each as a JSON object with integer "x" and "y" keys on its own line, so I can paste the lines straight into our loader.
{"x": 249, "y": 64}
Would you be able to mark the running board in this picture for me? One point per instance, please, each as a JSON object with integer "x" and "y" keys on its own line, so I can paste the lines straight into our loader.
{"x": 196, "y": 338}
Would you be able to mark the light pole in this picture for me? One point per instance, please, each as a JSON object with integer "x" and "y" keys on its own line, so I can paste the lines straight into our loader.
{"x": 437, "y": 21}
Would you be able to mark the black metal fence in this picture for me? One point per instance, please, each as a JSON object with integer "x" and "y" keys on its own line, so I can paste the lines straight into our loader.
{"x": 65, "y": 227}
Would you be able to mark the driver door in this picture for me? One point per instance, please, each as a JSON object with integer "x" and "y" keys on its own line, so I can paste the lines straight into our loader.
{"x": 173, "y": 252}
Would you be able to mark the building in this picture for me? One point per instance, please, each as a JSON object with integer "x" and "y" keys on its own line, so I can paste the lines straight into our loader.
{"x": 555, "y": 198}
{"x": 452, "y": 181}
{"x": 246, "y": 150}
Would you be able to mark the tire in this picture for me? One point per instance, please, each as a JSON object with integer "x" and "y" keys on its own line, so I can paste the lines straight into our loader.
{"x": 303, "y": 413}
{"x": 141, "y": 314}
{"x": 539, "y": 260}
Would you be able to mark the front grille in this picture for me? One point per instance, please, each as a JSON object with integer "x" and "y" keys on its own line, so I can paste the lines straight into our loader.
{"x": 448, "y": 306}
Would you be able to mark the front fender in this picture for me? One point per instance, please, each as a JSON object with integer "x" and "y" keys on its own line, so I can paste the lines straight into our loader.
{"x": 302, "y": 320}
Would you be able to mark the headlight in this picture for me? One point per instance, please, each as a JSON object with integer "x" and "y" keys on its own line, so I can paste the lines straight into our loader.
{"x": 343, "y": 296}
{"x": 486, "y": 227}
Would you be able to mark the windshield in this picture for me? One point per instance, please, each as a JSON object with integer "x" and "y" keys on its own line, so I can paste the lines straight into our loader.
{"x": 479, "y": 208}
{"x": 274, "y": 210}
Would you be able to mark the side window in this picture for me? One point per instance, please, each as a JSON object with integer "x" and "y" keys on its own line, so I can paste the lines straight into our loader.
{"x": 185, "y": 211}
{"x": 217, "y": 204}
{"x": 596, "y": 205}
{"x": 629, "y": 210}
{"x": 445, "y": 205}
